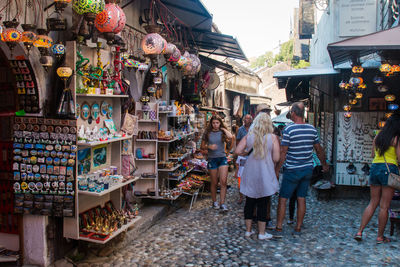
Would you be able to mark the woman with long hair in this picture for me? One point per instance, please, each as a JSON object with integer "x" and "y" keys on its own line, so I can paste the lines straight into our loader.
{"x": 259, "y": 180}
{"x": 215, "y": 140}
{"x": 386, "y": 152}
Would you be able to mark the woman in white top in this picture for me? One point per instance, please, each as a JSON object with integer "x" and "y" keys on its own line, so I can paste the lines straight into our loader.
{"x": 259, "y": 179}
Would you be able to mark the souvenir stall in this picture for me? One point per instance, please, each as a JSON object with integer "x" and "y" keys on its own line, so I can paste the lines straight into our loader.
{"x": 368, "y": 97}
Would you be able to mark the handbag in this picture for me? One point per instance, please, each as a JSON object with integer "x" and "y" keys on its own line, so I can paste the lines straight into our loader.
{"x": 393, "y": 179}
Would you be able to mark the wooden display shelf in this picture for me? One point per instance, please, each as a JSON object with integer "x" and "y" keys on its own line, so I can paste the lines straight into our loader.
{"x": 10, "y": 258}
{"x": 176, "y": 138}
{"x": 180, "y": 177}
{"x": 164, "y": 112}
{"x": 114, "y": 234}
{"x": 181, "y": 157}
{"x": 96, "y": 194}
{"x": 145, "y": 159}
{"x": 96, "y": 95}
{"x": 149, "y": 121}
{"x": 170, "y": 170}
{"x": 96, "y": 143}
{"x": 178, "y": 116}
{"x": 146, "y": 140}
{"x": 160, "y": 197}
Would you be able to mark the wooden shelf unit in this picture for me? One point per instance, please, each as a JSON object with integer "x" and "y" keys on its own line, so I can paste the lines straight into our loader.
{"x": 87, "y": 200}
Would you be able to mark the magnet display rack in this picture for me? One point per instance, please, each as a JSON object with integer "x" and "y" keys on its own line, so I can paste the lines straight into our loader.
{"x": 86, "y": 200}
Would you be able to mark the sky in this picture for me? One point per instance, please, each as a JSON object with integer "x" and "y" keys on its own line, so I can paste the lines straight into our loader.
{"x": 258, "y": 25}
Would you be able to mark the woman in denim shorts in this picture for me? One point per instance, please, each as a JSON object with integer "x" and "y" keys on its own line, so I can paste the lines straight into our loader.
{"x": 215, "y": 139}
{"x": 386, "y": 154}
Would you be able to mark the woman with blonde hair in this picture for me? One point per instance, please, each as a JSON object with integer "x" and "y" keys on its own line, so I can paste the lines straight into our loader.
{"x": 259, "y": 179}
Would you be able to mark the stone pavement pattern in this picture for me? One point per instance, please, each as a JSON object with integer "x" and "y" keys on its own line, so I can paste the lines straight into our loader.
{"x": 206, "y": 237}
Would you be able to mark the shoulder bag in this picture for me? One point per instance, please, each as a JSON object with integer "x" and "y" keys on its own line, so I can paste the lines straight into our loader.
{"x": 393, "y": 179}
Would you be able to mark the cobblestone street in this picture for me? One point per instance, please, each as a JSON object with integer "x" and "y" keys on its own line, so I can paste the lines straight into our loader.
{"x": 206, "y": 237}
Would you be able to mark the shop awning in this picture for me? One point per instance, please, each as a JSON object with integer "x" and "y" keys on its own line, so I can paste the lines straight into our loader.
{"x": 237, "y": 91}
{"x": 256, "y": 100}
{"x": 361, "y": 46}
{"x": 216, "y": 44}
{"x": 306, "y": 72}
{"x": 218, "y": 64}
{"x": 282, "y": 118}
{"x": 191, "y": 12}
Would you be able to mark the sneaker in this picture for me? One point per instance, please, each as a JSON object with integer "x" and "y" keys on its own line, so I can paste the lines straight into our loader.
{"x": 216, "y": 205}
{"x": 264, "y": 236}
{"x": 224, "y": 207}
{"x": 277, "y": 233}
{"x": 270, "y": 225}
{"x": 248, "y": 234}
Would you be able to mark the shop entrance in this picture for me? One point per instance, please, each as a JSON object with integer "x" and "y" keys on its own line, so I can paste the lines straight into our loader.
{"x": 9, "y": 222}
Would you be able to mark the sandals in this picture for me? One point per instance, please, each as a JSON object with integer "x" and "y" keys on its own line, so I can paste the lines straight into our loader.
{"x": 384, "y": 240}
{"x": 358, "y": 237}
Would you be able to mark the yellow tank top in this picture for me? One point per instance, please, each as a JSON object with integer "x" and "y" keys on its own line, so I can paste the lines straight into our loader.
{"x": 390, "y": 156}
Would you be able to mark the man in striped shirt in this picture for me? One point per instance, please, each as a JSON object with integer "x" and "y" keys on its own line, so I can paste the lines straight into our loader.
{"x": 298, "y": 141}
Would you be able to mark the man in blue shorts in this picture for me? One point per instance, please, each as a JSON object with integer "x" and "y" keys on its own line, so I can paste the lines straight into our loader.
{"x": 298, "y": 141}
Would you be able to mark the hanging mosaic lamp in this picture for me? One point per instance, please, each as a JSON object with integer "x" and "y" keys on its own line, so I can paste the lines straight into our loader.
{"x": 393, "y": 107}
{"x": 381, "y": 124}
{"x": 61, "y": 4}
{"x": 388, "y": 115}
{"x": 170, "y": 49}
{"x": 362, "y": 86}
{"x": 28, "y": 36}
{"x": 111, "y": 19}
{"x": 359, "y": 95}
{"x": 355, "y": 81}
{"x": 88, "y": 8}
{"x": 342, "y": 85}
{"x": 390, "y": 98}
{"x": 347, "y": 114}
{"x": 352, "y": 101}
{"x": 175, "y": 55}
{"x": 378, "y": 79}
{"x": 346, "y": 107}
{"x": 357, "y": 69}
{"x": 396, "y": 68}
{"x": 383, "y": 88}
{"x": 153, "y": 44}
{"x": 11, "y": 35}
{"x": 58, "y": 50}
{"x": 385, "y": 68}
{"x": 43, "y": 42}
{"x": 154, "y": 70}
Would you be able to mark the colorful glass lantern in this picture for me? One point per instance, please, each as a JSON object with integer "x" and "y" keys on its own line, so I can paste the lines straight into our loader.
{"x": 28, "y": 37}
{"x": 88, "y": 8}
{"x": 346, "y": 107}
{"x": 342, "y": 85}
{"x": 359, "y": 95}
{"x": 353, "y": 101}
{"x": 388, "y": 115}
{"x": 129, "y": 63}
{"x": 355, "y": 81}
{"x": 170, "y": 48}
{"x": 385, "y": 68}
{"x": 396, "y": 68}
{"x": 378, "y": 79}
{"x": 393, "y": 106}
{"x": 347, "y": 115}
{"x": 383, "y": 88}
{"x": 153, "y": 44}
{"x": 362, "y": 86}
{"x": 58, "y": 50}
{"x": 10, "y": 34}
{"x": 43, "y": 41}
{"x": 64, "y": 72}
{"x": 154, "y": 70}
{"x": 390, "y": 98}
{"x": 381, "y": 124}
{"x": 175, "y": 56}
{"x": 357, "y": 69}
{"x": 111, "y": 19}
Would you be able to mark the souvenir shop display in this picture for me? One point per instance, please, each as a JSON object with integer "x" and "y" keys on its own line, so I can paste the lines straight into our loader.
{"x": 44, "y": 166}
{"x": 27, "y": 88}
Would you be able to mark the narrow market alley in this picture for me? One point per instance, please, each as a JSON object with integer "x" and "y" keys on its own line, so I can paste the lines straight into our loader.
{"x": 206, "y": 237}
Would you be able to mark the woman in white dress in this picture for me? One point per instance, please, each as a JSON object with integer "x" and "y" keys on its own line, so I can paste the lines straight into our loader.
{"x": 259, "y": 179}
